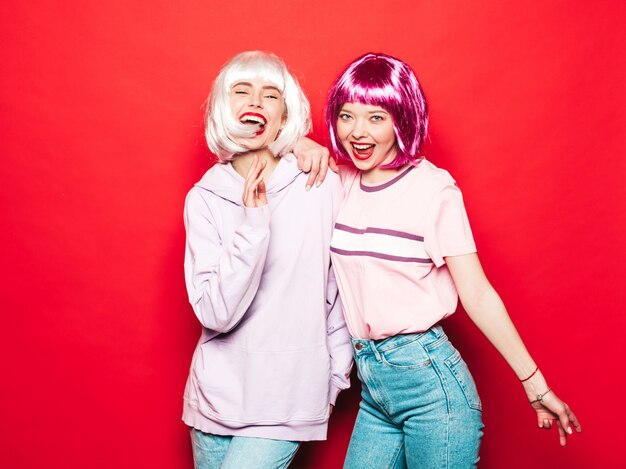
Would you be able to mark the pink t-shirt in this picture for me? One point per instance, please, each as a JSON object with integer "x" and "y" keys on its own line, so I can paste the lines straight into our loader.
{"x": 388, "y": 250}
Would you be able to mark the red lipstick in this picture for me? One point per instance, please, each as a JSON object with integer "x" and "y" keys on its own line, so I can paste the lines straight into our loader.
{"x": 254, "y": 118}
{"x": 362, "y": 151}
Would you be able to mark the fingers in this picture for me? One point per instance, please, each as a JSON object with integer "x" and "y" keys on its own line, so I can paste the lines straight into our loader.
{"x": 323, "y": 168}
{"x": 573, "y": 420}
{"x": 255, "y": 196}
{"x": 333, "y": 165}
{"x": 567, "y": 418}
{"x": 248, "y": 201}
{"x": 563, "y": 420}
{"x": 252, "y": 182}
{"x": 544, "y": 423}
{"x": 253, "y": 167}
{"x": 562, "y": 434}
{"x": 315, "y": 168}
{"x": 261, "y": 193}
{"x": 555, "y": 412}
{"x": 304, "y": 163}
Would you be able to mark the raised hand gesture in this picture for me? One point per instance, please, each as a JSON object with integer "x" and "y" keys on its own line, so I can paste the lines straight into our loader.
{"x": 254, "y": 187}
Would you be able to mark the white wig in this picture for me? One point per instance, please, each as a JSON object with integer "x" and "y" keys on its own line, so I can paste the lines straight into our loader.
{"x": 222, "y": 127}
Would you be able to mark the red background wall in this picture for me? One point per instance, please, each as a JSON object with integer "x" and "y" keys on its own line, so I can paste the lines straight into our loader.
{"x": 101, "y": 137}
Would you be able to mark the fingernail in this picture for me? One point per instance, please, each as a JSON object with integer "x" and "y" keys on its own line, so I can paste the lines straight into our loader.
{"x": 318, "y": 183}
{"x": 307, "y": 187}
{"x": 569, "y": 430}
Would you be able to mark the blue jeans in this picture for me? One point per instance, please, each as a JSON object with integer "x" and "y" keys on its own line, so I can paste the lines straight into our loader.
{"x": 419, "y": 405}
{"x": 235, "y": 452}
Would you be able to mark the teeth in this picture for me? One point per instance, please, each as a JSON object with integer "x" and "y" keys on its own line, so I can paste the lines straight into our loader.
{"x": 253, "y": 119}
{"x": 363, "y": 146}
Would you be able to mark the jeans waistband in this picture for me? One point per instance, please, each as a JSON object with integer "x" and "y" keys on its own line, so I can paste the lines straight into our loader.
{"x": 367, "y": 346}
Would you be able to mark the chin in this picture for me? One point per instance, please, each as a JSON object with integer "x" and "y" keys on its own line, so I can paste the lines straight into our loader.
{"x": 362, "y": 165}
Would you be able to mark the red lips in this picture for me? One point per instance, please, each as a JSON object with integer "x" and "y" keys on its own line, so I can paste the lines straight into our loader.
{"x": 254, "y": 118}
{"x": 363, "y": 153}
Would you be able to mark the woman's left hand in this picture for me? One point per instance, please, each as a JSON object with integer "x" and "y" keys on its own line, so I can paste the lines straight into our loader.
{"x": 550, "y": 408}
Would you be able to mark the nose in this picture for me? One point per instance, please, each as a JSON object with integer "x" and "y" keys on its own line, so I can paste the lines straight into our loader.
{"x": 360, "y": 129}
{"x": 256, "y": 99}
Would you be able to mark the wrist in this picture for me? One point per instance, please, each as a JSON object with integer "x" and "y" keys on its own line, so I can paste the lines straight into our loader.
{"x": 535, "y": 385}
{"x": 530, "y": 375}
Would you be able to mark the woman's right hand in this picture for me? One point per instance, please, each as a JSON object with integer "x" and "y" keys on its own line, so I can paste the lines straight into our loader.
{"x": 313, "y": 159}
{"x": 254, "y": 187}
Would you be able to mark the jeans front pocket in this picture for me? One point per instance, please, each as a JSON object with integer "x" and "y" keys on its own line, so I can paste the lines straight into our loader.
{"x": 463, "y": 377}
{"x": 408, "y": 356}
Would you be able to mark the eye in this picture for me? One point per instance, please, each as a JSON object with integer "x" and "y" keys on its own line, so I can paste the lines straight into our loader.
{"x": 240, "y": 91}
{"x": 377, "y": 118}
{"x": 272, "y": 96}
{"x": 344, "y": 116}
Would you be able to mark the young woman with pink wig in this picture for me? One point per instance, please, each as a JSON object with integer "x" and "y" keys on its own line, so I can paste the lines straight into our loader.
{"x": 403, "y": 253}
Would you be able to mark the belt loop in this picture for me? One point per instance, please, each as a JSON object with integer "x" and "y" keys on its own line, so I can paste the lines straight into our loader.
{"x": 375, "y": 350}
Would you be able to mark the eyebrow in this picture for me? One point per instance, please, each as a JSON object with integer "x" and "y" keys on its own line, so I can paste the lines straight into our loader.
{"x": 266, "y": 87}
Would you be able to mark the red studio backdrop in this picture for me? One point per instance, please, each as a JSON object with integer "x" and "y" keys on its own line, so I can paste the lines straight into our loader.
{"x": 101, "y": 138}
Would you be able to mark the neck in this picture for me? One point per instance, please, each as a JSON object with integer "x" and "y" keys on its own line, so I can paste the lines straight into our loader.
{"x": 242, "y": 162}
{"x": 379, "y": 175}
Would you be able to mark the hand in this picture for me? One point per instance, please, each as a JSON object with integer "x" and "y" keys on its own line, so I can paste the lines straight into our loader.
{"x": 254, "y": 188}
{"x": 552, "y": 408}
{"x": 312, "y": 159}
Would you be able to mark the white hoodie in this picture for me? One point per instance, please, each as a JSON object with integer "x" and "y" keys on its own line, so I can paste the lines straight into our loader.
{"x": 274, "y": 350}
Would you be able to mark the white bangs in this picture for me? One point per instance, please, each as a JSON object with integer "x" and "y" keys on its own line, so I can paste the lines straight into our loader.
{"x": 255, "y": 68}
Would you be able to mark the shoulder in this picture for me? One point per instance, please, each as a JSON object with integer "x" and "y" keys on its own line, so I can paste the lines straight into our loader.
{"x": 200, "y": 196}
{"x": 432, "y": 178}
{"x": 197, "y": 203}
{"x": 214, "y": 175}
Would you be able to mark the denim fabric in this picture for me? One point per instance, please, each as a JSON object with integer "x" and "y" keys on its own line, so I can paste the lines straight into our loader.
{"x": 236, "y": 452}
{"x": 419, "y": 405}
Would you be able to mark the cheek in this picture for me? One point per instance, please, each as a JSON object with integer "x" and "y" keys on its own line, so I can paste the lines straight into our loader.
{"x": 386, "y": 137}
{"x": 342, "y": 131}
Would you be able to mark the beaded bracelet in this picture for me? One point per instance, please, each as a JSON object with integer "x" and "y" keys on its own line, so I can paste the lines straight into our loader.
{"x": 530, "y": 375}
{"x": 540, "y": 396}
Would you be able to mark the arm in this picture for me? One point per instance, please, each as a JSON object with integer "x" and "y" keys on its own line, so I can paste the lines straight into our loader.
{"x": 338, "y": 341}
{"x": 486, "y": 310}
{"x": 222, "y": 280}
{"x": 313, "y": 159}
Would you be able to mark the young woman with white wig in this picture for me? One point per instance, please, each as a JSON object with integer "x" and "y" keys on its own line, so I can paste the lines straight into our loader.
{"x": 274, "y": 351}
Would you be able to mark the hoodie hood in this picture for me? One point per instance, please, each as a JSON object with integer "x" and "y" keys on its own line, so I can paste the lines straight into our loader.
{"x": 223, "y": 181}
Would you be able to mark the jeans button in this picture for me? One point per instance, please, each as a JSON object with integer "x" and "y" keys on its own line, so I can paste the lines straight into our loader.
{"x": 358, "y": 346}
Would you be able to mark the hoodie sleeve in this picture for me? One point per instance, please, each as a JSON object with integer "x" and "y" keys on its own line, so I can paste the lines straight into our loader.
{"x": 338, "y": 340}
{"x": 222, "y": 279}
{"x": 338, "y": 336}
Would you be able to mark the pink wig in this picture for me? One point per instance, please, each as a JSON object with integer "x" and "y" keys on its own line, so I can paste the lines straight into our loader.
{"x": 382, "y": 80}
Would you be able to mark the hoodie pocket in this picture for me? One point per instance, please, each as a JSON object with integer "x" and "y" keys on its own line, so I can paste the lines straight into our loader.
{"x": 262, "y": 387}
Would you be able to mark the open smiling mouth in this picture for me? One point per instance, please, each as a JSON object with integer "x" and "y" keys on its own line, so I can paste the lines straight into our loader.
{"x": 252, "y": 118}
{"x": 362, "y": 151}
